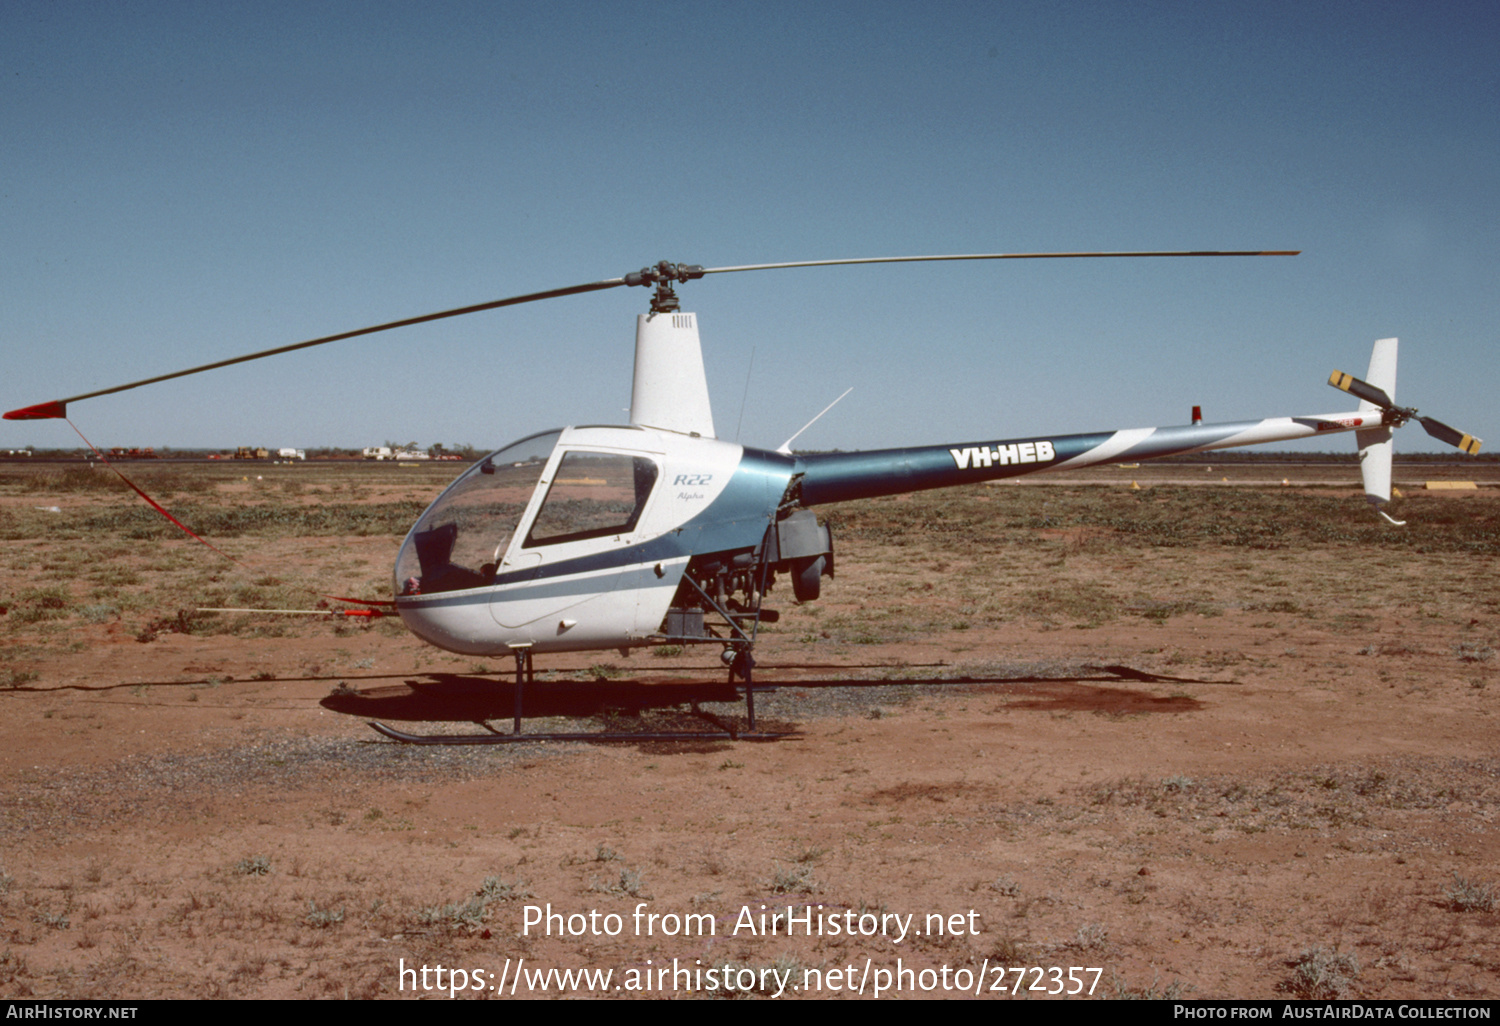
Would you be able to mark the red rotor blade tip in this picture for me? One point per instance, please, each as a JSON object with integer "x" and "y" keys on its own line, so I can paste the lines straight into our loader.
{"x": 41, "y": 411}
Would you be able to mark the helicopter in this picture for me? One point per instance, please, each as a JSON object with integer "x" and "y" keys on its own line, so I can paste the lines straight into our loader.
{"x": 658, "y": 532}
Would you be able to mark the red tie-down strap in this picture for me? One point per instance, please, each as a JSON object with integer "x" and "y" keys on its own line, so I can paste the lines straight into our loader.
{"x": 370, "y": 612}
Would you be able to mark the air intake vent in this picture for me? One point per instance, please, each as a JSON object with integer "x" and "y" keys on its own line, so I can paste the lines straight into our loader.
{"x": 682, "y": 320}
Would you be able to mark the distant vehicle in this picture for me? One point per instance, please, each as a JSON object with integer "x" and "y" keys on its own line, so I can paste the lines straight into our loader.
{"x": 246, "y": 452}
{"x": 380, "y": 452}
{"x": 291, "y": 454}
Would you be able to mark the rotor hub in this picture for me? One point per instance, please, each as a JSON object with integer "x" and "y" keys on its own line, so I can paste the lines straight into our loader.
{"x": 662, "y": 275}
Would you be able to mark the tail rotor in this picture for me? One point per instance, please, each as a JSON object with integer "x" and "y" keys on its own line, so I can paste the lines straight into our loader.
{"x": 1396, "y": 416}
{"x": 1375, "y": 444}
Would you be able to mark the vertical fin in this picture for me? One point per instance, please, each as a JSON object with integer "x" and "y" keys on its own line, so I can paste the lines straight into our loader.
{"x": 1375, "y": 445}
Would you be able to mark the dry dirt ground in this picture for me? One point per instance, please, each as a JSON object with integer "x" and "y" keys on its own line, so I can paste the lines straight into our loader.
{"x": 1260, "y": 764}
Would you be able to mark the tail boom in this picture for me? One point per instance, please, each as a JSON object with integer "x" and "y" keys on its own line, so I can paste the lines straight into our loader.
{"x": 841, "y": 477}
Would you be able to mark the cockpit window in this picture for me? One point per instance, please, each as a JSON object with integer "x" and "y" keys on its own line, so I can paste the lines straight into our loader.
{"x": 592, "y": 495}
{"x": 459, "y": 542}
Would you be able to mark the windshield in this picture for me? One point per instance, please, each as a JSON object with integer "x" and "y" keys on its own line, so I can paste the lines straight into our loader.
{"x": 459, "y": 541}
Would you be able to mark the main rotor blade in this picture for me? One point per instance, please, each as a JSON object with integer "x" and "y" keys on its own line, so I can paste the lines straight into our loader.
{"x": 58, "y": 407}
{"x": 1361, "y": 389}
{"x": 1443, "y": 433}
{"x": 1001, "y": 256}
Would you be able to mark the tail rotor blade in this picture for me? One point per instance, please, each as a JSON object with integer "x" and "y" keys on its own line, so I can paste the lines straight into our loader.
{"x": 1361, "y": 389}
{"x": 1443, "y": 433}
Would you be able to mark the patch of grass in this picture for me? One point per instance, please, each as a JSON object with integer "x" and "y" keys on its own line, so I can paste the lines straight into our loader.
{"x": 628, "y": 883}
{"x": 455, "y": 915}
{"x": 1091, "y": 937}
{"x": 255, "y": 865}
{"x": 13, "y": 678}
{"x": 1320, "y": 974}
{"x": 1174, "y": 991}
{"x": 1009, "y": 951}
{"x": 470, "y": 914}
{"x": 110, "y": 578}
{"x": 1161, "y": 611}
{"x": 259, "y": 520}
{"x": 1470, "y": 895}
{"x": 1083, "y": 603}
{"x": 72, "y": 480}
{"x": 12, "y": 968}
{"x": 101, "y": 612}
{"x": 185, "y": 622}
{"x": 496, "y": 888}
{"x": 794, "y": 880}
{"x": 1469, "y": 652}
{"x": 1390, "y": 648}
{"x": 46, "y": 603}
{"x": 322, "y": 918}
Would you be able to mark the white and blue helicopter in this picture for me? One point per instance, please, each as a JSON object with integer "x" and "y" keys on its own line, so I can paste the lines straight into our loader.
{"x": 658, "y": 532}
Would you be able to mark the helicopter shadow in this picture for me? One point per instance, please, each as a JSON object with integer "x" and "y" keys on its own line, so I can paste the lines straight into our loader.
{"x": 453, "y": 697}
{"x": 464, "y": 698}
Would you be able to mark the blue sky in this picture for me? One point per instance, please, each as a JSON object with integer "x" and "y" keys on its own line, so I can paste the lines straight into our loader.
{"x": 186, "y": 182}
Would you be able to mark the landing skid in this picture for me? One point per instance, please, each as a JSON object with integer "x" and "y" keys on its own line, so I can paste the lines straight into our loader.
{"x": 497, "y": 738}
{"x": 740, "y": 666}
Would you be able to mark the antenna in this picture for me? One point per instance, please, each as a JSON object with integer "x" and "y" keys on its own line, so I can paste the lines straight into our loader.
{"x": 746, "y": 397}
{"x": 785, "y": 448}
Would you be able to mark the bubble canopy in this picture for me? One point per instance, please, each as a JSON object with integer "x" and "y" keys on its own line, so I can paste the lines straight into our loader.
{"x": 474, "y": 530}
{"x": 459, "y": 542}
